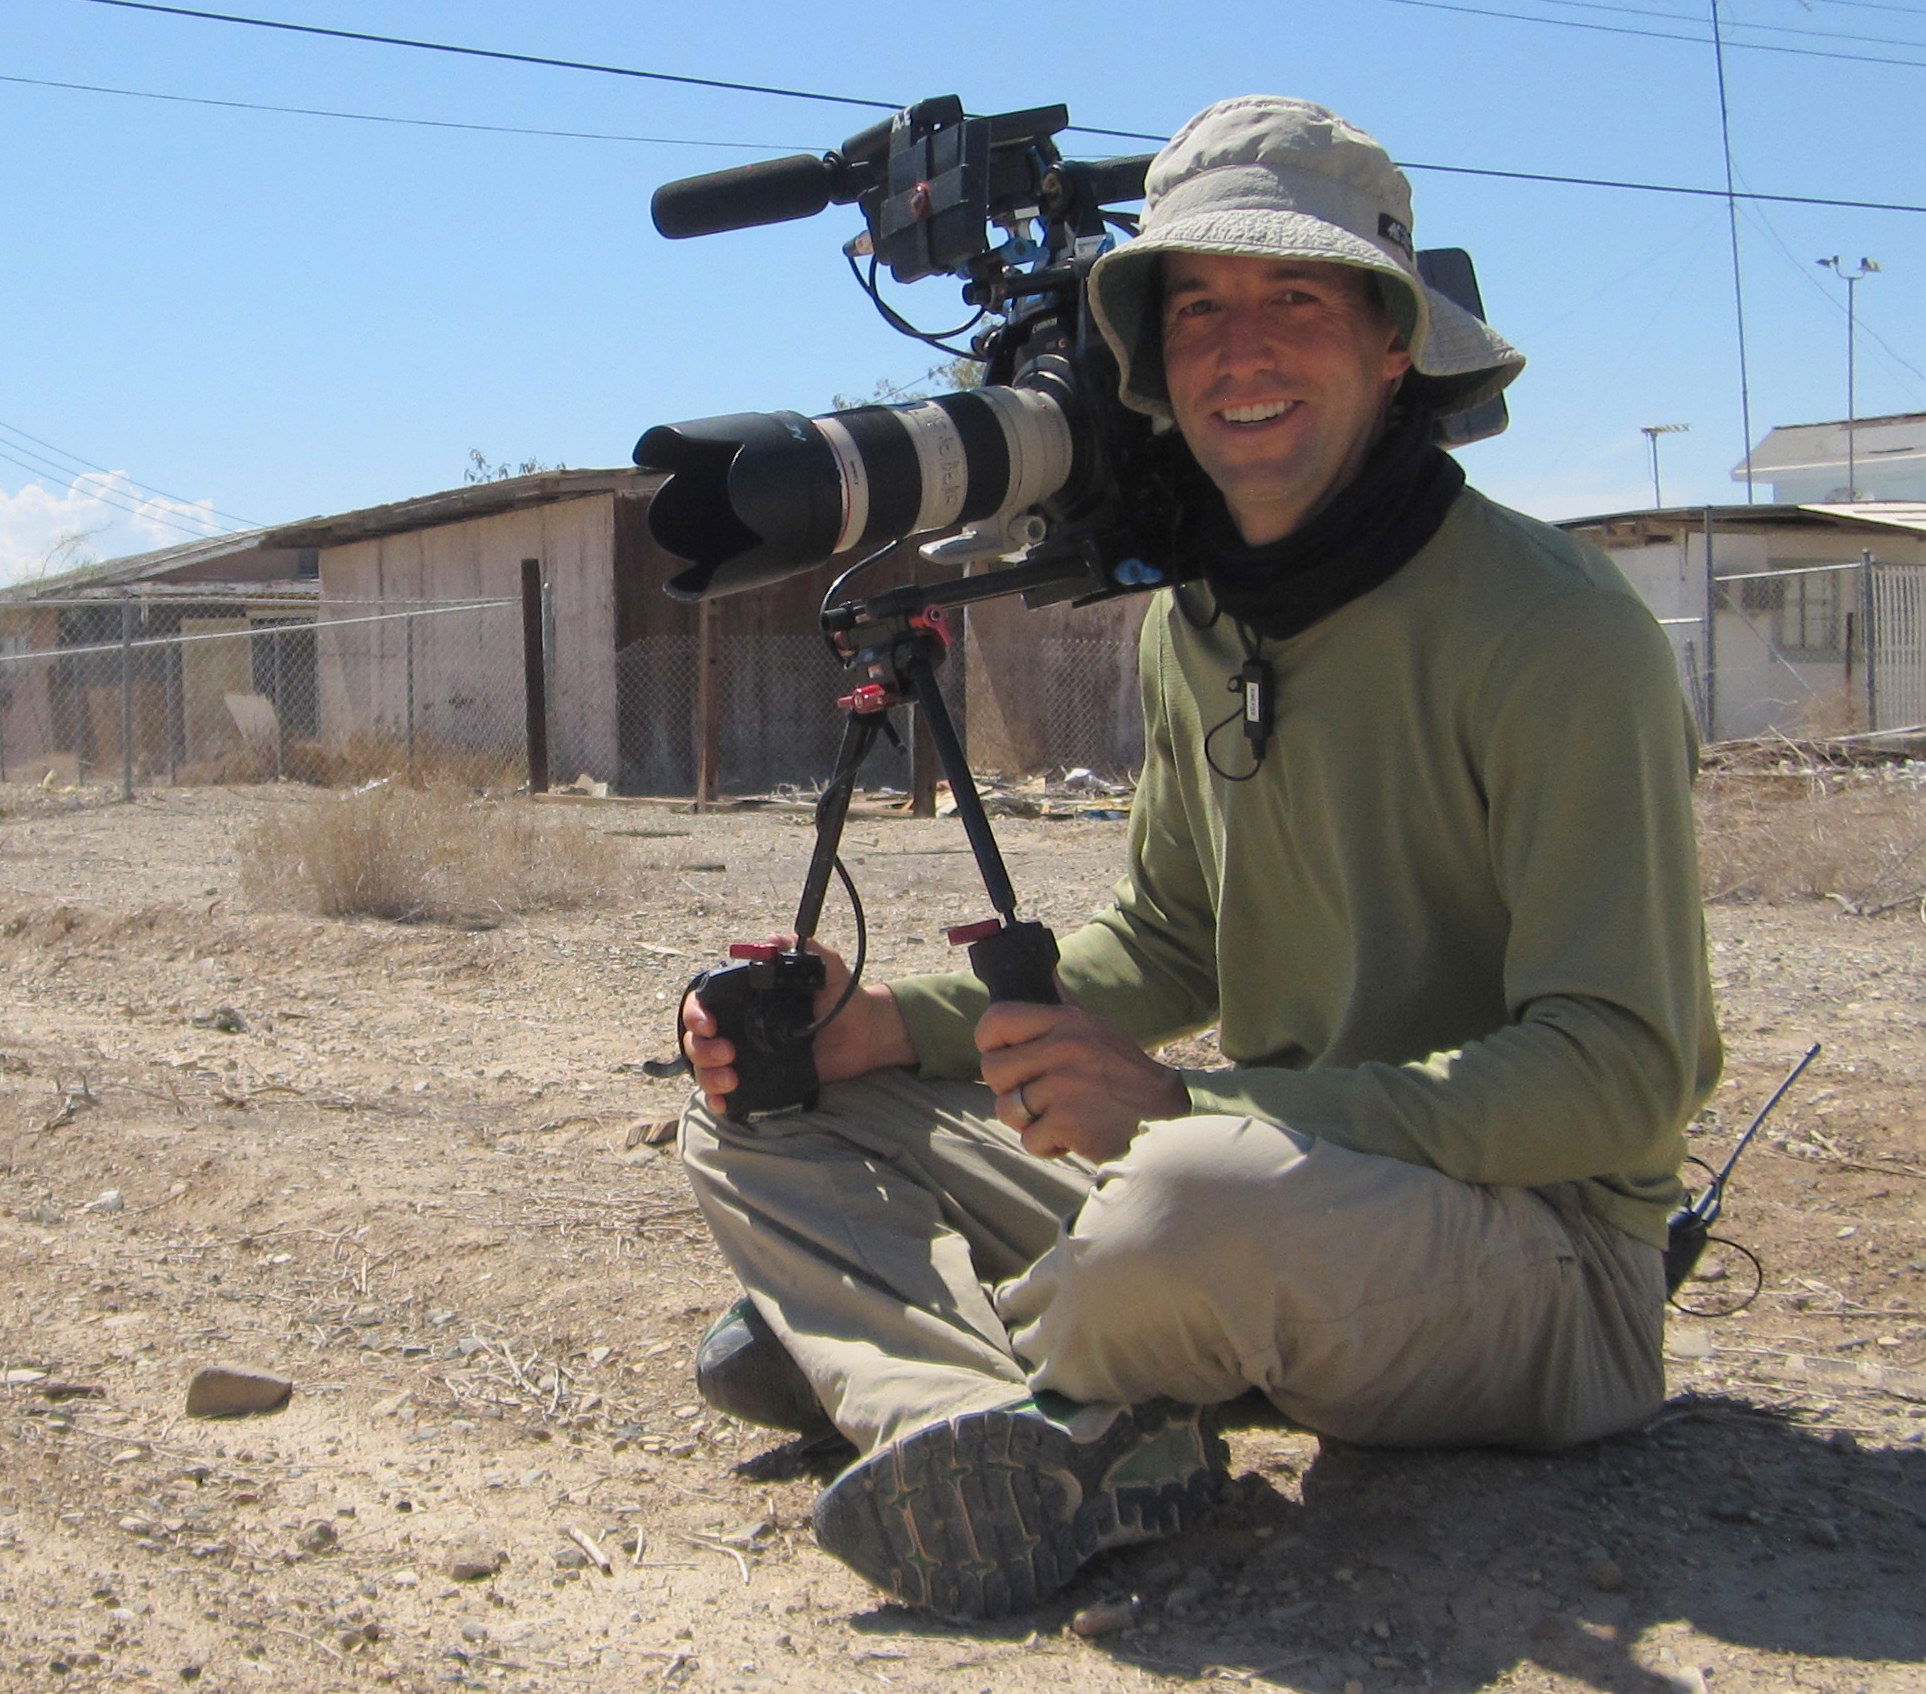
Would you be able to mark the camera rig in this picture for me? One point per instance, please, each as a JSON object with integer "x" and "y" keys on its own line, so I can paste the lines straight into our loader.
{"x": 1041, "y": 464}
{"x": 1039, "y": 459}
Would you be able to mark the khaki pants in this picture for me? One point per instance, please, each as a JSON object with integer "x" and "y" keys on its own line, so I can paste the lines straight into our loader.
{"x": 918, "y": 1263}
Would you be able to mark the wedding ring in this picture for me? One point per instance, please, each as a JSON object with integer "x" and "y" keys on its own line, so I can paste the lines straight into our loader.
{"x": 1024, "y": 1106}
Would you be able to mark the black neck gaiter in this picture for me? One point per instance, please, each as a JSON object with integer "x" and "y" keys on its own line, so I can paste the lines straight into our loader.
{"x": 1366, "y": 533}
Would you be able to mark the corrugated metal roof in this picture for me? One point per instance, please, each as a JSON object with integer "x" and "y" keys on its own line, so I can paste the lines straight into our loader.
{"x": 138, "y": 567}
{"x": 1884, "y": 514}
{"x": 476, "y": 500}
{"x": 1893, "y": 514}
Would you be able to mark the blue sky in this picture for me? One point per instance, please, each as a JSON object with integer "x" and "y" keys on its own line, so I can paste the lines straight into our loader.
{"x": 269, "y": 316}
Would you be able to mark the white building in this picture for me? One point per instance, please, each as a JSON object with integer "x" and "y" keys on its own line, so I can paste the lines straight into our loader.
{"x": 1810, "y": 462}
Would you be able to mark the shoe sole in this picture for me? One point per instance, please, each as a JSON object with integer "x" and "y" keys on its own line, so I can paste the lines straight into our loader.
{"x": 992, "y": 1513}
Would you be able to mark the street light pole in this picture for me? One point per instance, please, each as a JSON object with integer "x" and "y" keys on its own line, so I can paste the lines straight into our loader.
{"x": 1652, "y": 432}
{"x": 1851, "y": 279}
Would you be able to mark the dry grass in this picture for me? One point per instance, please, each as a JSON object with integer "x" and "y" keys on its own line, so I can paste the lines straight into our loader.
{"x": 365, "y": 757}
{"x": 431, "y": 856}
{"x": 1855, "y": 837}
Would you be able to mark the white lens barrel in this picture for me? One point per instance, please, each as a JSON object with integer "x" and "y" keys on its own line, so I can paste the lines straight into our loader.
{"x": 931, "y": 465}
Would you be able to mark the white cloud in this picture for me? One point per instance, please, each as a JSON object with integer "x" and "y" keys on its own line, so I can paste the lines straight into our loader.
{"x": 97, "y": 516}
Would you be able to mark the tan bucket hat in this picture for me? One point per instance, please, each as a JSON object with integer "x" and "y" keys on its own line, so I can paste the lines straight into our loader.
{"x": 1266, "y": 177}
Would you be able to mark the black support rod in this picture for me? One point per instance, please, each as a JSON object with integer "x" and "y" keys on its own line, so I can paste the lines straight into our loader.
{"x": 859, "y": 734}
{"x": 956, "y": 766}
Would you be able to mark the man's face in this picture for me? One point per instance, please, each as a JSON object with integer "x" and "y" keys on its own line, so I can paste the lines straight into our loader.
{"x": 1279, "y": 372}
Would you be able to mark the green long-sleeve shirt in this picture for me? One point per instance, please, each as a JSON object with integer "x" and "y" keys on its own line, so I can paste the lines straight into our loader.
{"x": 1454, "y": 918}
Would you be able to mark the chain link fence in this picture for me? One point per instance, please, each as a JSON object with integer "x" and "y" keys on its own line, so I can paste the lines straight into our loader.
{"x": 1059, "y": 702}
{"x": 150, "y": 691}
{"x": 1816, "y": 649}
{"x": 147, "y": 691}
{"x": 771, "y": 715}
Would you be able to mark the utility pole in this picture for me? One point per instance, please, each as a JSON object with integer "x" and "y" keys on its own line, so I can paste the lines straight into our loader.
{"x": 1732, "y": 227}
{"x": 1652, "y": 432}
{"x": 1852, "y": 280}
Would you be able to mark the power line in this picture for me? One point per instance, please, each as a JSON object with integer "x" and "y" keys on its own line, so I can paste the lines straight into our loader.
{"x": 1732, "y": 24}
{"x": 557, "y": 64}
{"x": 107, "y": 497}
{"x": 1604, "y": 29}
{"x": 1764, "y": 224}
{"x": 1658, "y": 187}
{"x": 381, "y": 118}
{"x": 498, "y": 54}
{"x": 88, "y": 464}
{"x": 1081, "y": 129}
{"x": 1882, "y": 6}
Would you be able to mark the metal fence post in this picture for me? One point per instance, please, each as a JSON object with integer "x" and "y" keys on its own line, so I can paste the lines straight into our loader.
{"x": 127, "y": 699}
{"x": 170, "y": 706}
{"x": 1711, "y": 635}
{"x": 280, "y": 730}
{"x": 1868, "y": 587}
{"x": 408, "y": 624}
{"x": 534, "y": 675}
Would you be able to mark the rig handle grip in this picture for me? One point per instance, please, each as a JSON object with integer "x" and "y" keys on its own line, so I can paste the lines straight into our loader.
{"x": 765, "y": 1010}
{"x": 1018, "y": 961}
{"x": 1685, "y": 1237}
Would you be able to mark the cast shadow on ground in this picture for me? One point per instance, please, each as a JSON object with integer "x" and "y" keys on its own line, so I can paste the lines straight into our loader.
{"x": 1720, "y": 1531}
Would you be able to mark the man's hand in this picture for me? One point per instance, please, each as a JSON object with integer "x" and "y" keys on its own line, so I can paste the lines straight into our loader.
{"x": 1086, "y": 1086}
{"x": 866, "y": 1035}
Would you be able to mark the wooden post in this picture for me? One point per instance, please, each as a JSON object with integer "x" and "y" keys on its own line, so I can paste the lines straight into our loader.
{"x": 1852, "y": 698}
{"x": 925, "y": 767}
{"x": 535, "y": 676}
{"x": 708, "y": 708}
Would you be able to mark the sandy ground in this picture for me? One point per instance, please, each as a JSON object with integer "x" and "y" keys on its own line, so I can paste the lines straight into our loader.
{"x": 409, "y": 1174}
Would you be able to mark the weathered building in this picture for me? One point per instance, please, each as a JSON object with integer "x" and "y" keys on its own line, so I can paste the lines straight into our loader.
{"x": 1787, "y": 617}
{"x": 336, "y": 643}
{"x": 122, "y": 664}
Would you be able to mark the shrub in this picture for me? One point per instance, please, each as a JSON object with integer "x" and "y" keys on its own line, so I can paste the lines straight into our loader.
{"x": 1855, "y": 836}
{"x": 430, "y": 856}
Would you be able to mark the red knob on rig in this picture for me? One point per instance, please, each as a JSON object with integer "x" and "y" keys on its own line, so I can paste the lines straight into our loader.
{"x": 762, "y": 952}
{"x": 869, "y": 697}
{"x": 967, "y": 934}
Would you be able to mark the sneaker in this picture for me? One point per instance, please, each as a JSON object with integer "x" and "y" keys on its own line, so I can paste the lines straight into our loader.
{"x": 992, "y": 1512}
{"x": 741, "y": 1368}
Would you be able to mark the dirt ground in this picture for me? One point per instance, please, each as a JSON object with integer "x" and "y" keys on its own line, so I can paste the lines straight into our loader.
{"x": 404, "y": 1167}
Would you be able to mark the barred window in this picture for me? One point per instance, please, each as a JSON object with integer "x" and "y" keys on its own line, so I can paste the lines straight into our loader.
{"x": 1802, "y": 611}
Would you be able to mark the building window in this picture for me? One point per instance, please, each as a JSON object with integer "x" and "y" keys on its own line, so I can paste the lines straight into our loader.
{"x": 1801, "y": 612}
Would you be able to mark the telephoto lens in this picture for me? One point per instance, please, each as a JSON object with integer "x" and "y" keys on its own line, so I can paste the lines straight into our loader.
{"x": 758, "y": 496}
